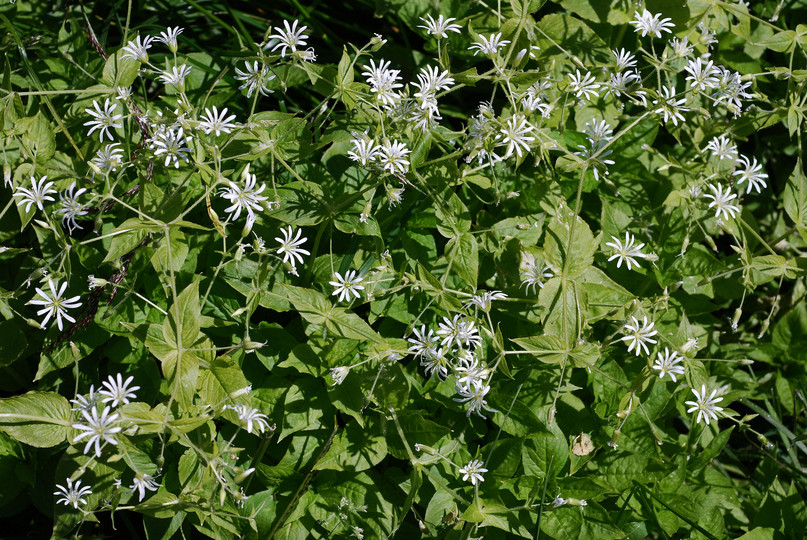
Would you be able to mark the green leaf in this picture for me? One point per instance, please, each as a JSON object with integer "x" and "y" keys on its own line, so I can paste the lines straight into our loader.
{"x": 181, "y": 327}
{"x": 127, "y": 236}
{"x": 464, "y": 254}
{"x": 564, "y": 303}
{"x": 39, "y": 137}
{"x": 120, "y": 71}
{"x": 356, "y": 448}
{"x": 417, "y": 429}
{"x": 795, "y": 199}
{"x": 580, "y": 244}
{"x": 780, "y": 41}
{"x": 547, "y": 349}
{"x": 40, "y": 419}
{"x": 711, "y": 451}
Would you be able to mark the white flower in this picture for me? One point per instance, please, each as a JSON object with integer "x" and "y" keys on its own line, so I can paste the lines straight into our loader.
{"x": 290, "y": 38}
{"x": 752, "y": 172}
{"x": 72, "y": 494}
{"x": 169, "y": 37}
{"x": 339, "y": 373}
{"x": 731, "y": 90}
{"x": 423, "y": 342}
{"x": 109, "y": 158}
{"x": 290, "y": 247}
{"x": 103, "y": 120}
{"x": 648, "y": 23}
{"x": 640, "y": 335}
{"x": 176, "y": 76}
{"x": 702, "y": 75}
{"x": 624, "y": 59}
{"x": 669, "y": 106}
{"x": 440, "y": 26}
{"x": 247, "y": 198}
{"x": 435, "y": 363}
{"x": 532, "y": 275}
{"x": 489, "y": 46}
{"x": 665, "y": 364}
{"x": 97, "y": 429}
{"x": 71, "y": 208}
{"x": 254, "y": 78}
{"x": 598, "y": 131}
{"x": 681, "y": 48}
{"x": 344, "y": 286}
{"x": 117, "y": 391}
{"x": 143, "y": 482}
{"x": 39, "y": 193}
{"x": 430, "y": 80}
{"x": 172, "y": 143}
{"x": 722, "y": 148}
{"x": 720, "y": 201}
{"x": 627, "y": 252}
{"x": 393, "y": 157}
{"x": 459, "y": 331}
{"x": 250, "y": 416}
{"x": 215, "y": 121}
{"x": 364, "y": 150}
{"x": 137, "y": 50}
{"x": 383, "y": 81}
{"x": 86, "y": 403}
{"x": 583, "y": 86}
{"x": 474, "y": 396}
{"x": 55, "y": 304}
{"x": 705, "y": 406}
{"x": 514, "y": 135}
{"x": 483, "y": 300}
{"x": 473, "y": 471}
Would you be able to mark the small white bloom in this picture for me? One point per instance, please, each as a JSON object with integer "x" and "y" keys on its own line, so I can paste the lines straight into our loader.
{"x": 583, "y": 86}
{"x": 143, "y": 482}
{"x": 87, "y": 403}
{"x": 423, "y": 341}
{"x": 665, "y": 364}
{"x": 246, "y": 198}
{"x": 39, "y": 193}
{"x": 103, "y": 119}
{"x": 250, "y": 416}
{"x": 393, "y": 157}
{"x": 54, "y": 304}
{"x": 473, "y": 471}
{"x": 532, "y": 275}
{"x": 339, "y": 373}
{"x": 482, "y": 301}
{"x": 176, "y": 76}
{"x": 71, "y": 208}
{"x": 459, "y": 331}
{"x": 639, "y": 335}
{"x": 670, "y": 107}
{"x": 136, "y": 50}
{"x": 289, "y": 37}
{"x": 169, "y": 37}
{"x": 627, "y": 252}
{"x": 109, "y": 158}
{"x": 705, "y": 405}
{"x": 720, "y": 201}
{"x": 290, "y": 246}
{"x": 347, "y": 285}
{"x": 514, "y": 135}
{"x": 751, "y": 171}
{"x": 364, "y": 150}
{"x": 173, "y": 144}
{"x": 440, "y": 26}
{"x": 254, "y": 78}
{"x": 215, "y": 121}
{"x": 488, "y": 46}
{"x": 72, "y": 494}
{"x": 648, "y": 23}
{"x": 722, "y": 148}
{"x": 624, "y": 59}
{"x": 702, "y": 75}
{"x": 117, "y": 391}
{"x": 98, "y": 429}
{"x": 474, "y": 395}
